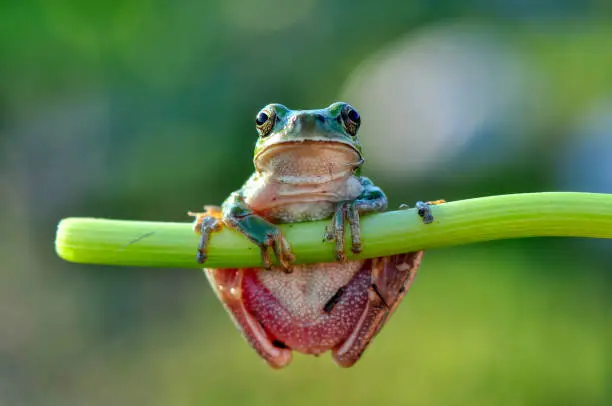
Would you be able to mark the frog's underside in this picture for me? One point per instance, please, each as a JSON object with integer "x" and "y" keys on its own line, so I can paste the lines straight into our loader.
{"x": 318, "y": 307}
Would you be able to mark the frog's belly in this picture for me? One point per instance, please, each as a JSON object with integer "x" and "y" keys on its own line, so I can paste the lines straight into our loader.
{"x": 295, "y": 308}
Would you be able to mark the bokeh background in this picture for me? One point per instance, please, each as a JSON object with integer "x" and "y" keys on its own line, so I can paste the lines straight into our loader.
{"x": 144, "y": 110}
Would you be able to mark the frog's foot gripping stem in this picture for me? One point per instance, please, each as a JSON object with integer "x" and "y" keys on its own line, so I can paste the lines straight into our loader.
{"x": 348, "y": 211}
{"x": 281, "y": 249}
{"x": 207, "y": 222}
{"x": 424, "y": 209}
{"x": 263, "y": 233}
{"x": 255, "y": 228}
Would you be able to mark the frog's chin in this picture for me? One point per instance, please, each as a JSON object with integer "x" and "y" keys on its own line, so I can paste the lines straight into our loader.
{"x": 308, "y": 158}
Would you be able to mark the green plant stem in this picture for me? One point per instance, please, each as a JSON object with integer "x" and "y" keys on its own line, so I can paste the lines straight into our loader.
{"x": 160, "y": 244}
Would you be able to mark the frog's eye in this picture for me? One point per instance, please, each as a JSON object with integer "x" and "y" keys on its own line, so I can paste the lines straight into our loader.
{"x": 350, "y": 119}
{"x": 264, "y": 122}
{"x": 261, "y": 118}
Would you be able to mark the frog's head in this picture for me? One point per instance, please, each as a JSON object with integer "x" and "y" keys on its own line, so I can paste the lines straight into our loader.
{"x": 308, "y": 142}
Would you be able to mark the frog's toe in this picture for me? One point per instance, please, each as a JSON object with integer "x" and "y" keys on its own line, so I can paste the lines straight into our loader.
{"x": 339, "y": 238}
{"x": 346, "y": 211}
{"x": 424, "y": 210}
{"x": 352, "y": 215}
{"x": 330, "y": 233}
{"x": 279, "y": 244}
{"x": 335, "y": 231}
{"x": 205, "y": 224}
{"x": 266, "y": 263}
{"x": 283, "y": 252}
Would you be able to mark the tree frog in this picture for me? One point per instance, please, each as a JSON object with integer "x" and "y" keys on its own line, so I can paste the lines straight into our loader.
{"x": 307, "y": 167}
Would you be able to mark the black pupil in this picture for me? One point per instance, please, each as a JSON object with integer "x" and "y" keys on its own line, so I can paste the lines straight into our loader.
{"x": 261, "y": 118}
{"x": 353, "y": 115}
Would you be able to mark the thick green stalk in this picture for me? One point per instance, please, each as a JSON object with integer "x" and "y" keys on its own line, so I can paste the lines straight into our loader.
{"x": 159, "y": 244}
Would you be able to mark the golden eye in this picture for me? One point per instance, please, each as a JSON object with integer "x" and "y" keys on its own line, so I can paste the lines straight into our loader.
{"x": 350, "y": 119}
{"x": 264, "y": 122}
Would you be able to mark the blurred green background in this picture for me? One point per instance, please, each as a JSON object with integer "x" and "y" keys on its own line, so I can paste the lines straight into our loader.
{"x": 145, "y": 110}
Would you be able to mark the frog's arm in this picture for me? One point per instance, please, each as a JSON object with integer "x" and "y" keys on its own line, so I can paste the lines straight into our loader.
{"x": 371, "y": 199}
{"x": 239, "y": 216}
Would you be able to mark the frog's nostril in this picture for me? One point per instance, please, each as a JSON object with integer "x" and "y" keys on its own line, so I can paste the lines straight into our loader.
{"x": 306, "y": 121}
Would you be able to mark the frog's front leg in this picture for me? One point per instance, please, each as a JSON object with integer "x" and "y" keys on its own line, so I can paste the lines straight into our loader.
{"x": 238, "y": 215}
{"x": 371, "y": 199}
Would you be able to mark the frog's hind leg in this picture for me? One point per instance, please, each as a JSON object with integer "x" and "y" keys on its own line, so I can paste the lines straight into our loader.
{"x": 207, "y": 222}
{"x": 227, "y": 284}
{"x": 391, "y": 277}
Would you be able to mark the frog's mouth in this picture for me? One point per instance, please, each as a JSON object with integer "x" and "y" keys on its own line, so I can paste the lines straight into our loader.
{"x": 308, "y": 160}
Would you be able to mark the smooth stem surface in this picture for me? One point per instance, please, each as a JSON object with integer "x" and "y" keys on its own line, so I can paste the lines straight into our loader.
{"x": 159, "y": 244}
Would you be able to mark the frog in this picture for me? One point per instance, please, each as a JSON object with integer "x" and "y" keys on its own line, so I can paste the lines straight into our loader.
{"x": 307, "y": 167}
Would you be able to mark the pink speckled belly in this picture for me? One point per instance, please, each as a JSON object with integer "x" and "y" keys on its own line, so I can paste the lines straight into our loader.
{"x": 298, "y": 317}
